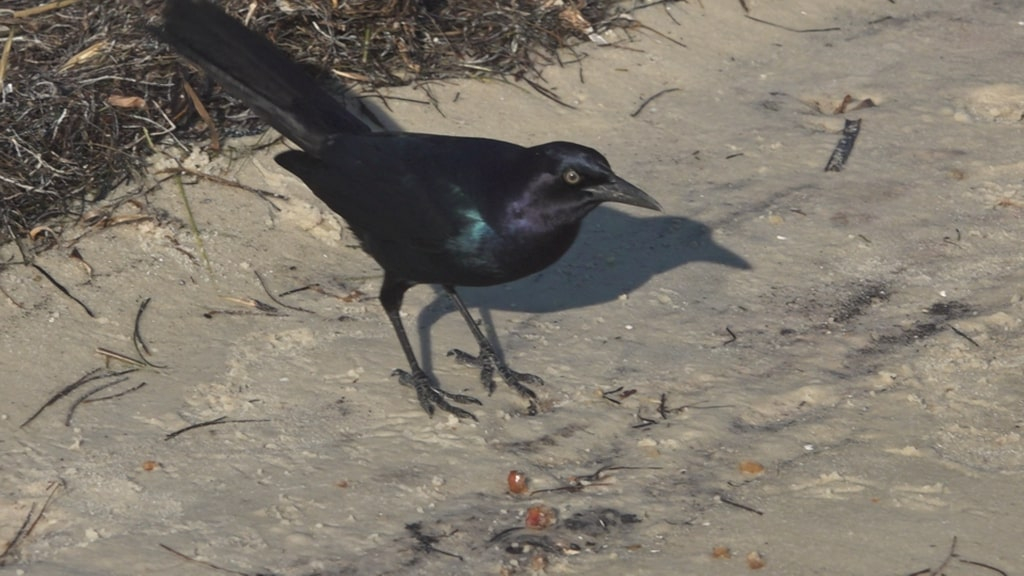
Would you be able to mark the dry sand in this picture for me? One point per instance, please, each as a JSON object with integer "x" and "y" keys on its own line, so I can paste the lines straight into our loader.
{"x": 875, "y": 371}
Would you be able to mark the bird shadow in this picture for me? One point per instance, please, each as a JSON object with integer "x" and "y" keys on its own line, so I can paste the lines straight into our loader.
{"x": 615, "y": 254}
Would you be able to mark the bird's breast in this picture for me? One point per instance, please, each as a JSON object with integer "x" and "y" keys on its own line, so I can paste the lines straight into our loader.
{"x": 498, "y": 256}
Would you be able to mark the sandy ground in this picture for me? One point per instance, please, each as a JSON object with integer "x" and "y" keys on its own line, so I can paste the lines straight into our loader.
{"x": 875, "y": 370}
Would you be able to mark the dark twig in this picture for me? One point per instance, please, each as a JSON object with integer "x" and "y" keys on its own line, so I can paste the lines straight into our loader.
{"x": 949, "y": 558}
{"x": 953, "y": 242}
{"x": 315, "y": 287}
{"x": 797, "y": 30}
{"x": 30, "y": 523}
{"x": 88, "y": 396}
{"x": 726, "y": 500}
{"x": 270, "y": 295}
{"x": 662, "y": 408}
{"x": 89, "y": 377}
{"x": 664, "y": 411}
{"x": 202, "y": 562}
{"x": 623, "y": 394}
{"x": 215, "y": 421}
{"x": 547, "y": 93}
{"x": 945, "y": 562}
{"x": 644, "y": 421}
{"x": 22, "y": 531}
{"x": 732, "y": 337}
{"x": 608, "y": 395}
{"x": 261, "y": 308}
{"x": 502, "y": 533}
{"x": 262, "y": 194}
{"x": 137, "y": 334}
{"x": 84, "y": 397}
{"x": 425, "y": 542}
{"x": 844, "y": 147}
{"x": 63, "y": 289}
{"x": 138, "y": 386}
{"x": 983, "y": 565}
{"x": 651, "y": 99}
{"x": 578, "y": 483}
{"x": 964, "y": 336}
{"x": 665, "y": 36}
{"x": 140, "y": 344}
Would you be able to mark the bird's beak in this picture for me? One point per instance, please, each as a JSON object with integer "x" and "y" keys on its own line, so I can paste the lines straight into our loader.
{"x": 618, "y": 190}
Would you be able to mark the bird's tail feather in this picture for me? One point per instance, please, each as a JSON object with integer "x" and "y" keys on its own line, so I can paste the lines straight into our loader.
{"x": 252, "y": 69}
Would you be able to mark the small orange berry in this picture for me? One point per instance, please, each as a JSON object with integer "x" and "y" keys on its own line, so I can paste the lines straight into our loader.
{"x": 516, "y": 482}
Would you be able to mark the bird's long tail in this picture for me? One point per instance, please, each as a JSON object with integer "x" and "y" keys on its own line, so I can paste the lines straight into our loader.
{"x": 252, "y": 69}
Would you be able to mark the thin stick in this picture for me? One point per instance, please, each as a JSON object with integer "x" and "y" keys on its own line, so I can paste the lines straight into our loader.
{"x": 63, "y": 289}
{"x": 844, "y": 147}
{"x": 85, "y": 397}
{"x": 30, "y": 524}
{"x": 203, "y": 562}
{"x": 89, "y": 377}
{"x": 116, "y": 395}
{"x": 62, "y": 393}
{"x": 140, "y": 344}
{"x": 276, "y": 301}
{"x": 950, "y": 556}
{"x": 548, "y": 94}
{"x": 649, "y": 100}
{"x": 797, "y": 30}
{"x": 726, "y": 500}
{"x": 665, "y": 36}
{"x": 264, "y": 194}
{"x": 210, "y": 125}
{"x": 964, "y": 336}
{"x": 110, "y": 354}
{"x": 983, "y": 565}
{"x": 18, "y": 535}
{"x": 215, "y": 421}
{"x": 5, "y": 56}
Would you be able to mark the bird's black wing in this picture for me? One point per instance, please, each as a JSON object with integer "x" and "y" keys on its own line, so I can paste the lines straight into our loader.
{"x": 413, "y": 199}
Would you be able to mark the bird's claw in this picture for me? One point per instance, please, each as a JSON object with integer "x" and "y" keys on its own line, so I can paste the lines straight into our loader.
{"x": 489, "y": 363}
{"x": 430, "y": 395}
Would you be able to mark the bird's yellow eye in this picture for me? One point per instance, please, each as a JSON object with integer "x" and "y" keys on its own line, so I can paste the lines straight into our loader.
{"x": 571, "y": 177}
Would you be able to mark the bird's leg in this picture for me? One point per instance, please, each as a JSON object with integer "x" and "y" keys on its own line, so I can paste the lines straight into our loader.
{"x": 428, "y": 393}
{"x": 488, "y": 361}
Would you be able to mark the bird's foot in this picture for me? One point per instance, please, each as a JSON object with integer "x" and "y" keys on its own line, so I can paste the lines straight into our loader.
{"x": 489, "y": 363}
{"x": 431, "y": 395}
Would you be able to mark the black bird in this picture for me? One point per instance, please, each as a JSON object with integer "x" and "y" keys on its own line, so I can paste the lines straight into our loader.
{"x": 429, "y": 209}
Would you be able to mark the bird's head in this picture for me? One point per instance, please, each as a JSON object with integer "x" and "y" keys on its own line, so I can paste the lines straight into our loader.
{"x": 568, "y": 174}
